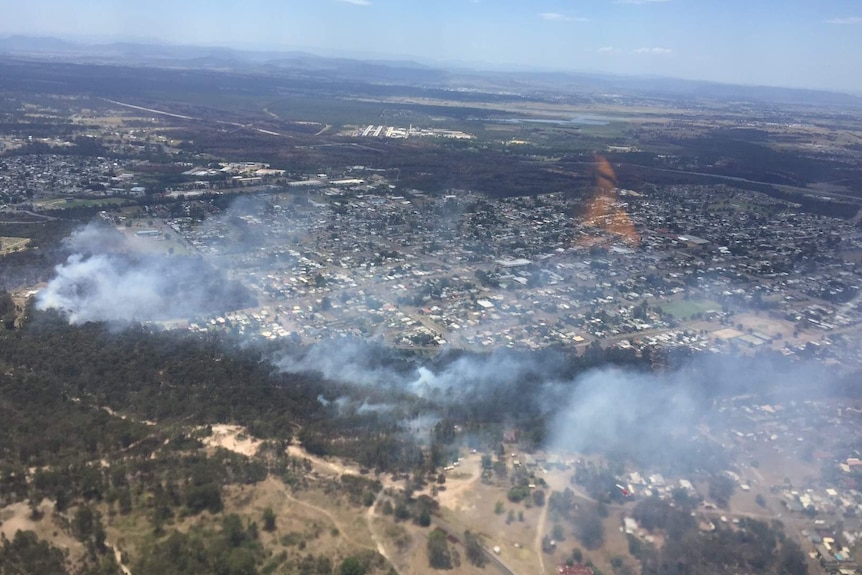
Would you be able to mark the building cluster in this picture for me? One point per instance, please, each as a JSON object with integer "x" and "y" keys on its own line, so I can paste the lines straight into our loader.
{"x": 710, "y": 268}
{"x": 705, "y": 267}
{"x": 38, "y": 181}
{"x": 30, "y": 178}
{"x": 826, "y": 504}
{"x": 234, "y": 169}
{"x": 808, "y": 439}
{"x": 381, "y": 131}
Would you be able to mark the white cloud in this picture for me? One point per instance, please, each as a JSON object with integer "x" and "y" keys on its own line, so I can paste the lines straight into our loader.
{"x": 847, "y": 20}
{"x": 357, "y": 2}
{"x": 654, "y": 51}
{"x": 607, "y": 50}
{"x": 557, "y": 17}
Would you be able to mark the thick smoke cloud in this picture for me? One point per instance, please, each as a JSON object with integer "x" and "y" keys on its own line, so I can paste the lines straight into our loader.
{"x": 666, "y": 419}
{"x": 416, "y": 392}
{"x": 354, "y": 361}
{"x": 621, "y": 411}
{"x": 104, "y": 279}
{"x": 345, "y": 360}
{"x": 663, "y": 418}
{"x": 638, "y": 414}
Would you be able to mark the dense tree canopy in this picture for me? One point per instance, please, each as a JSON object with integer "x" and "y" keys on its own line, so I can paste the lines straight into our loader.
{"x": 26, "y": 553}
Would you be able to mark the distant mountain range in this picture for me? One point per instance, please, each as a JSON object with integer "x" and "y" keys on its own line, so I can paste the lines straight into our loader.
{"x": 207, "y": 57}
{"x": 403, "y": 72}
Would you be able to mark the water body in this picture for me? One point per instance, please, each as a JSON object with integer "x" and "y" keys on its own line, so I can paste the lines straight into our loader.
{"x": 581, "y": 120}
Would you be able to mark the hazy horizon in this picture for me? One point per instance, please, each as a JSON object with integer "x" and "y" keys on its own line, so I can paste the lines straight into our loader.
{"x": 799, "y": 44}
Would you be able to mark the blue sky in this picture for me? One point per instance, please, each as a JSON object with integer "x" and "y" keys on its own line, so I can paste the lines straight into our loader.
{"x": 802, "y": 43}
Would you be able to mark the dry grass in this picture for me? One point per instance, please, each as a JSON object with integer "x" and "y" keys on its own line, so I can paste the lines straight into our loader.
{"x": 764, "y": 324}
{"x": 309, "y": 522}
{"x": 10, "y": 244}
{"x": 17, "y": 517}
{"x": 475, "y": 511}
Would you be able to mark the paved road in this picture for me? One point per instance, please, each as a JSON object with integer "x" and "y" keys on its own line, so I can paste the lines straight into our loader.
{"x": 184, "y": 117}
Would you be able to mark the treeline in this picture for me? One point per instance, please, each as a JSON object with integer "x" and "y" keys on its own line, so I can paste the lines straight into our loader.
{"x": 492, "y": 400}
{"x": 235, "y": 550}
{"x": 162, "y": 376}
{"x": 76, "y": 405}
{"x": 8, "y": 310}
{"x": 59, "y": 381}
{"x": 26, "y": 553}
{"x": 750, "y": 547}
{"x": 36, "y": 263}
{"x": 62, "y": 386}
{"x": 81, "y": 146}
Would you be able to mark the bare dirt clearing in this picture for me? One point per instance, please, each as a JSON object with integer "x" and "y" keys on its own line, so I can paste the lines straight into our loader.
{"x": 233, "y": 438}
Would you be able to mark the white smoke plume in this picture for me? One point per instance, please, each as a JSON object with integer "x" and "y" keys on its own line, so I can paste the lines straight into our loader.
{"x": 104, "y": 288}
{"x": 343, "y": 360}
{"x": 654, "y": 418}
{"x": 653, "y": 415}
{"x": 660, "y": 418}
{"x": 620, "y": 410}
{"x": 353, "y": 361}
{"x": 105, "y": 279}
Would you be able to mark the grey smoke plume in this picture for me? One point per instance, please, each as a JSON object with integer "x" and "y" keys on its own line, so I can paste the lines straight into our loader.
{"x": 653, "y": 416}
{"x": 660, "y": 418}
{"x": 613, "y": 409}
{"x": 477, "y": 375}
{"x": 104, "y": 288}
{"x": 353, "y": 361}
{"x": 344, "y": 360}
{"x": 667, "y": 420}
{"x": 106, "y": 279}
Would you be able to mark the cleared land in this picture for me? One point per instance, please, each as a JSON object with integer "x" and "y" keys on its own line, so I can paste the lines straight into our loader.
{"x": 11, "y": 244}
